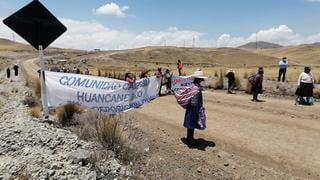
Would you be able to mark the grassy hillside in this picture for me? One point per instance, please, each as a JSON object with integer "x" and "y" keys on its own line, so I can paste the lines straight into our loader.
{"x": 299, "y": 55}
{"x": 7, "y": 45}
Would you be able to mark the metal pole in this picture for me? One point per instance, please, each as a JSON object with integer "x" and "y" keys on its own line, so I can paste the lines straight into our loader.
{"x": 43, "y": 84}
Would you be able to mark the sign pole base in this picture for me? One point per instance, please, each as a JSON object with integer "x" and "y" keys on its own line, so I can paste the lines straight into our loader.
{"x": 43, "y": 84}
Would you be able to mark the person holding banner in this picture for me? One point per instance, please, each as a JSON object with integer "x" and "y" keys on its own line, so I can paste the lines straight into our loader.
{"x": 130, "y": 78}
{"x": 159, "y": 75}
{"x": 194, "y": 109}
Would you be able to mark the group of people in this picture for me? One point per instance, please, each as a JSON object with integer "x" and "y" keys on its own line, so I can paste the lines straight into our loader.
{"x": 165, "y": 78}
{"x": 193, "y": 109}
{"x": 16, "y": 70}
{"x": 304, "y": 90}
{"x": 305, "y": 87}
{"x": 64, "y": 69}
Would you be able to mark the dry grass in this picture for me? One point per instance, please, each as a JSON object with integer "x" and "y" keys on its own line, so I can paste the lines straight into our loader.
{"x": 36, "y": 112}
{"x": 99, "y": 72}
{"x": 238, "y": 82}
{"x": 66, "y": 112}
{"x": 109, "y": 132}
{"x": 87, "y": 129}
{"x": 316, "y": 93}
{"x": 248, "y": 87}
{"x": 36, "y": 86}
{"x": 317, "y": 79}
{"x": 216, "y": 74}
{"x": 114, "y": 136}
{"x": 219, "y": 83}
{"x": 245, "y": 75}
{"x": 112, "y": 132}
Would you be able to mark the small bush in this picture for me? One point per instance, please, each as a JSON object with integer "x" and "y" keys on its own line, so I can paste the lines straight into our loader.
{"x": 109, "y": 132}
{"x": 66, "y": 112}
{"x": 36, "y": 85}
{"x": 219, "y": 84}
{"x": 316, "y": 93}
{"x": 216, "y": 74}
{"x": 238, "y": 82}
{"x": 245, "y": 75}
{"x": 318, "y": 79}
{"x": 87, "y": 129}
{"x": 36, "y": 112}
{"x": 99, "y": 72}
{"x": 113, "y": 136}
{"x": 248, "y": 87}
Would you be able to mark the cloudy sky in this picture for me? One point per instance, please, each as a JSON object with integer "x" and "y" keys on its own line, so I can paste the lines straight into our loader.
{"x": 122, "y": 24}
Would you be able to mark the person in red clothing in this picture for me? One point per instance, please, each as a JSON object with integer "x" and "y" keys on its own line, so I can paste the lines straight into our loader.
{"x": 179, "y": 66}
{"x": 130, "y": 78}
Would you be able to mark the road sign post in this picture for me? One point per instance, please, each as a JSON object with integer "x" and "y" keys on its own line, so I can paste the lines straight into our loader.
{"x": 35, "y": 23}
{"x": 43, "y": 84}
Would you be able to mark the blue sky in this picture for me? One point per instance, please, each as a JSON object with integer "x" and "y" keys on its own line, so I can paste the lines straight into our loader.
{"x": 176, "y": 22}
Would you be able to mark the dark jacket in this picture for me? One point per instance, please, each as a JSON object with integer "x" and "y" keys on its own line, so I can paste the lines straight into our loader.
{"x": 230, "y": 76}
{"x": 257, "y": 84}
{"x": 192, "y": 112}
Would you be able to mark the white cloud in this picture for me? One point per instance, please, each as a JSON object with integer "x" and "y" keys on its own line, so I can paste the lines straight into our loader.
{"x": 281, "y": 35}
{"x": 112, "y": 9}
{"x": 91, "y": 35}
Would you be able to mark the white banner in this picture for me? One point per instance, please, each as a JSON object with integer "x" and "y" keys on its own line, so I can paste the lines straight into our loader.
{"x": 98, "y": 93}
{"x": 178, "y": 82}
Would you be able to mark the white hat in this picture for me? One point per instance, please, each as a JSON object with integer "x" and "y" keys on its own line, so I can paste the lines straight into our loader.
{"x": 199, "y": 74}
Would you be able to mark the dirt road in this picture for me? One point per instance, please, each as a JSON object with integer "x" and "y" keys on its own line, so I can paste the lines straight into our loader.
{"x": 273, "y": 139}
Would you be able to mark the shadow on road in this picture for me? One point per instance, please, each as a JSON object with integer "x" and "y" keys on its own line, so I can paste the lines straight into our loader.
{"x": 200, "y": 144}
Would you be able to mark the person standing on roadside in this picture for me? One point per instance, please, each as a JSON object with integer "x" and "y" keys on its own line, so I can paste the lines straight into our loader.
{"x": 130, "y": 78}
{"x": 168, "y": 76}
{"x": 179, "y": 66}
{"x": 257, "y": 84}
{"x": 87, "y": 72}
{"x": 144, "y": 73}
{"x": 231, "y": 81}
{"x": 283, "y": 69}
{"x": 16, "y": 69}
{"x": 8, "y": 72}
{"x": 193, "y": 109}
{"x": 305, "y": 87}
{"x": 158, "y": 74}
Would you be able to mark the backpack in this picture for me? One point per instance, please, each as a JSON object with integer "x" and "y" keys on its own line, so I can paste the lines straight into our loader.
{"x": 252, "y": 78}
{"x": 184, "y": 95}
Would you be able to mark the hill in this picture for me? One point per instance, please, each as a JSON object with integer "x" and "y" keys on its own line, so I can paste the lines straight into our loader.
{"x": 152, "y": 57}
{"x": 8, "y": 45}
{"x": 260, "y": 45}
{"x": 299, "y": 55}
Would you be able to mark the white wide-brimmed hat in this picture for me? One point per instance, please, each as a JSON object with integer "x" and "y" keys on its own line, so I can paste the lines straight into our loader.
{"x": 199, "y": 74}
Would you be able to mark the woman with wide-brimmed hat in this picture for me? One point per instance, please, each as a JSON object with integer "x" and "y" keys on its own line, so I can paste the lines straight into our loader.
{"x": 194, "y": 107}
